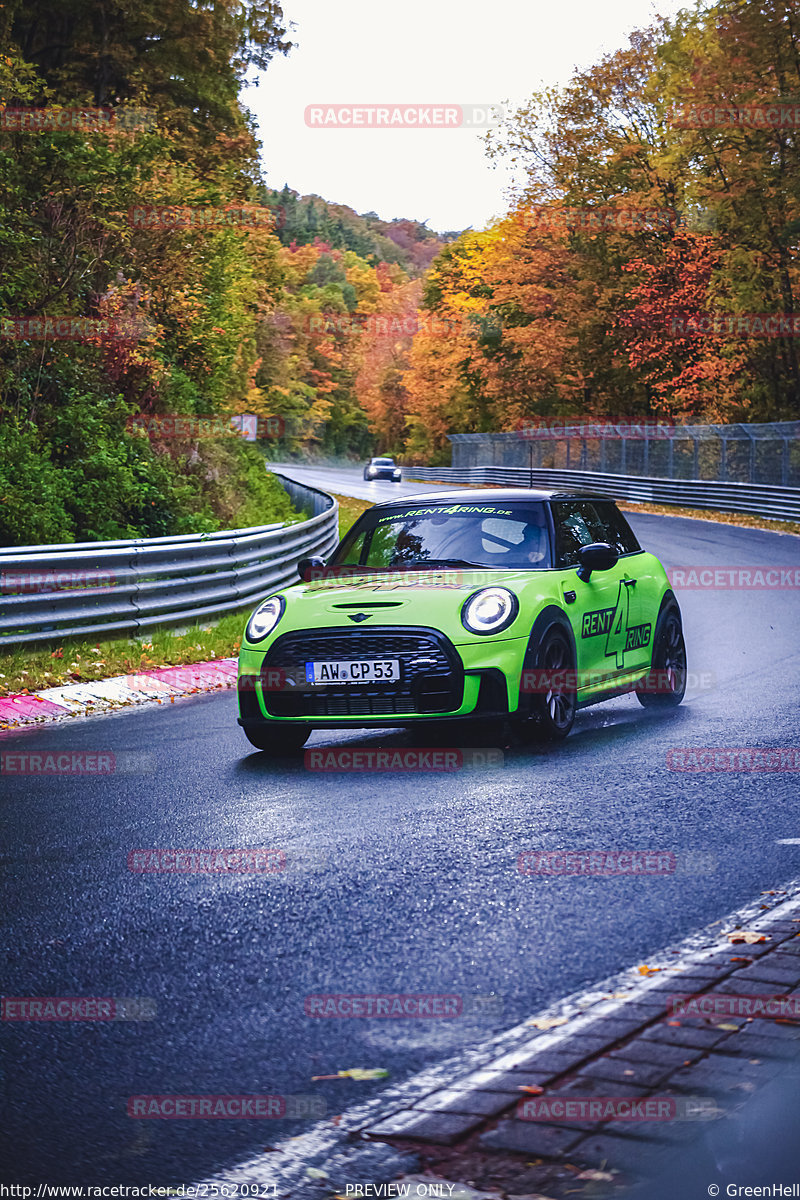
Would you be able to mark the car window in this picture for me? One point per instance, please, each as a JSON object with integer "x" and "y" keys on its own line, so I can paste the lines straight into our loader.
{"x": 618, "y": 532}
{"x": 496, "y": 535}
{"x": 353, "y": 552}
{"x": 580, "y": 522}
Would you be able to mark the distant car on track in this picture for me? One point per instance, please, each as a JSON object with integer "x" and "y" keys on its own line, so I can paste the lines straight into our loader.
{"x": 486, "y": 606}
{"x": 383, "y": 468}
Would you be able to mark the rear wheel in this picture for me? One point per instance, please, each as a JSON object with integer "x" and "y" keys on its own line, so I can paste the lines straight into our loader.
{"x": 554, "y": 704}
{"x": 665, "y": 685}
{"x": 280, "y": 742}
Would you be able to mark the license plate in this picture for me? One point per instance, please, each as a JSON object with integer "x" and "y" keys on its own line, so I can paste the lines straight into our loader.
{"x": 374, "y": 670}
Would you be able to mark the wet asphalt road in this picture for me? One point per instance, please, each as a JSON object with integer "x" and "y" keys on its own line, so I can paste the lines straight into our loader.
{"x": 399, "y": 883}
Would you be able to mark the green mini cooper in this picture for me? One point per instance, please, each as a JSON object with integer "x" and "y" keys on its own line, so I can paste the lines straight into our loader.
{"x": 502, "y": 604}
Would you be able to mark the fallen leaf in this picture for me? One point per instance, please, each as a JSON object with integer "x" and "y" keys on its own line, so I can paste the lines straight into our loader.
{"x": 740, "y": 958}
{"x": 645, "y": 970}
{"x": 358, "y": 1073}
{"x": 732, "y": 1028}
{"x": 547, "y": 1022}
{"x": 533, "y": 1090}
{"x": 748, "y": 936}
{"x": 316, "y": 1173}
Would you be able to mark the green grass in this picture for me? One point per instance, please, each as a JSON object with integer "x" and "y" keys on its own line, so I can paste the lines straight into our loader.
{"x": 43, "y": 665}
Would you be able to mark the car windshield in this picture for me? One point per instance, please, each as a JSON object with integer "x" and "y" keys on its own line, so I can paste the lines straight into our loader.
{"x": 383, "y": 462}
{"x": 503, "y": 536}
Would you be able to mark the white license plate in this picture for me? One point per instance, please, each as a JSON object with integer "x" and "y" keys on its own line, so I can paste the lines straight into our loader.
{"x": 374, "y": 670}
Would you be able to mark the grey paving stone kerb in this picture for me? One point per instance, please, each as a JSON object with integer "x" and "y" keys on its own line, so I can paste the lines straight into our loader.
{"x": 327, "y": 1157}
{"x": 636, "y": 1043}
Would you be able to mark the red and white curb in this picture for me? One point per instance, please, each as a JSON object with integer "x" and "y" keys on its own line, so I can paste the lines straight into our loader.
{"x": 81, "y": 699}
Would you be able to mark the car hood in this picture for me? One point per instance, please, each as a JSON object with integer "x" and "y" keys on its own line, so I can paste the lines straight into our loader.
{"x": 432, "y": 598}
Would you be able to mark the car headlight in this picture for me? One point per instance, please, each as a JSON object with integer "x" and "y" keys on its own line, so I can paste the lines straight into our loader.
{"x": 265, "y": 618}
{"x": 489, "y": 610}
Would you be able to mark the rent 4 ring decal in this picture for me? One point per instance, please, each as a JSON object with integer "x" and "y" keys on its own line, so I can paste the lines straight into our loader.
{"x": 613, "y": 622}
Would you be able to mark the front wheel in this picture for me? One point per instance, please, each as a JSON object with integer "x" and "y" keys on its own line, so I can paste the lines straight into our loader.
{"x": 279, "y": 742}
{"x": 665, "y": 685}
{"x": 555, "y": 701}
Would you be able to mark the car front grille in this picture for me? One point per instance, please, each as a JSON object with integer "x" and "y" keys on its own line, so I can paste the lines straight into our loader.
{"x": 435, "y": 684}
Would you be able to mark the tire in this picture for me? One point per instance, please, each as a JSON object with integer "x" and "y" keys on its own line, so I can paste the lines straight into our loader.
{"x": 553, "y": 712}
{"x": 665, "y": 684}
{"x": 280, "y": 742}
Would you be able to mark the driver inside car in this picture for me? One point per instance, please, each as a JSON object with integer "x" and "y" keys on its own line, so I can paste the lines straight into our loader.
{"x": 533, "y": 547}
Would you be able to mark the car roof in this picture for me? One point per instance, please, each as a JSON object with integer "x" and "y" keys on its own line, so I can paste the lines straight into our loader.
{"x": 483, "y": 494}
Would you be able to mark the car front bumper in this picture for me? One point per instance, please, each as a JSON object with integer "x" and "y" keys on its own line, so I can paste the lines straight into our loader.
{"x": 439, "y": 680}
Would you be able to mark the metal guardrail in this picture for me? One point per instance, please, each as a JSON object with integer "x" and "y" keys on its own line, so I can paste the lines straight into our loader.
{"x": 103, "y": 588}
{"x": 778, "y": 503}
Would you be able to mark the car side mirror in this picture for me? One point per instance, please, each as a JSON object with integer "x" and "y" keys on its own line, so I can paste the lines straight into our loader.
{"x": 310, "y": 568}
{"x": 597, "y": 556}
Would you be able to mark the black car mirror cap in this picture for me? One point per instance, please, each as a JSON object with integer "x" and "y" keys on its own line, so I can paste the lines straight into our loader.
{"x": 597, "y": 556}
{"x": 310, "y": 569}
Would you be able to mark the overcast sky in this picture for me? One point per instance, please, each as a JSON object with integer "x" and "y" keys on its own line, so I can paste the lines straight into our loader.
{"x": 421, "y": 52}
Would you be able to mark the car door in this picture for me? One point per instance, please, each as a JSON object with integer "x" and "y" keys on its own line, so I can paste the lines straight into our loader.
{"x": 604, "y": 609}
